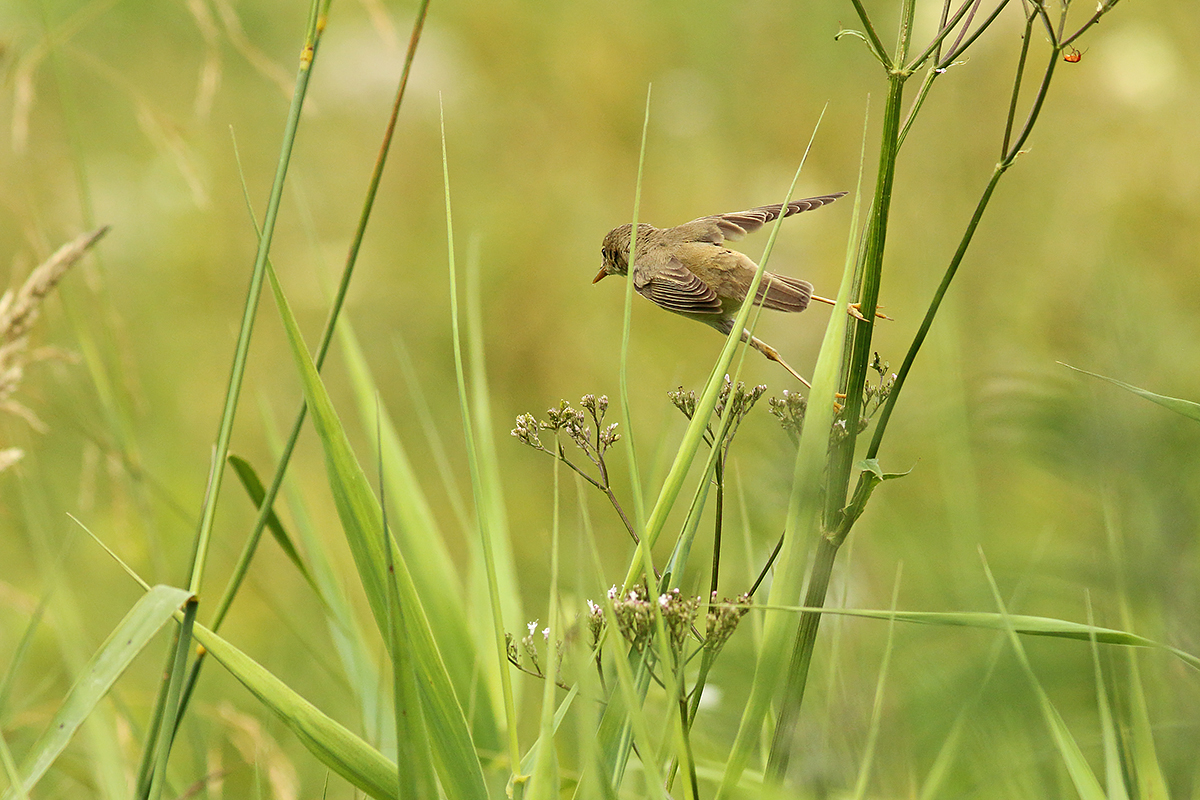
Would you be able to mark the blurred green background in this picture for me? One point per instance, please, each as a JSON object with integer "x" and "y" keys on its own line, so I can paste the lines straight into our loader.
{"x": 127, "y": 114}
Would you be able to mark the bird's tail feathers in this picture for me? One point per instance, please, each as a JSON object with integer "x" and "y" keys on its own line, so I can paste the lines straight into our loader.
{"x": 782, "y": 293}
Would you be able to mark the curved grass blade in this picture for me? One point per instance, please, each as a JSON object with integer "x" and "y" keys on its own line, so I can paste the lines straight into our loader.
{"x": 503, "y": 562}
{"x": 481, "y": 485}
{"x": 332, "y": 743}
{"x": 414, "y": 765}
{"x": 254, "y": 487}
{"x": 804, "y": 508}
{"x": 420, "y": 538}
{"x": 1082, "y": 777}
{"x": 1185, "y": 407}
{"x": 130, "y": 637}
{"x": 1110, "y": 736}
{"x": 871, "y": 748}
{"x": 454, "y": 753}
{"x": 1019, "y": 623}
{"x": 242, "y": 350}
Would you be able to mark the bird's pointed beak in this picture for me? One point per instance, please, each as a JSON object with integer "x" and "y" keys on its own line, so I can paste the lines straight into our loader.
{"x": 603, "y": 273}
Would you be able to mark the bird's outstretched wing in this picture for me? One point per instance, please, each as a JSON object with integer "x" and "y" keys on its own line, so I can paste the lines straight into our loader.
{"x": 736, "y": 224}
{"x": 674, "y": 287}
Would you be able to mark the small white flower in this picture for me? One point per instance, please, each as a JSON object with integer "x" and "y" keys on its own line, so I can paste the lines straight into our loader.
{"x": 532, "y": 626}
{"x": 546, "y": 634}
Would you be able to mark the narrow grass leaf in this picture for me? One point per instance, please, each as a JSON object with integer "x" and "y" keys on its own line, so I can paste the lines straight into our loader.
{"x": 1143, "y": 758}
{"x": 490, "y": 473}
{"x": 10, "y": 770}
{"x": 358, "y": 659}
{"x": 433, "y": 438}
{"x": 454, "y": 753}
{"x": 479, "y": 484}
{"x": 241, "y": 352}
{"x": 635, "y": 475}
{"x": 1019, "y": 623}
{"x": 254, "y": 487}
{"x": 128, "y": 639}
{"x": 1151, "y": 783}
{"x": 864, "y": 770}
{"x": 420, "y": 538}
{"x": 415, "y": 770}
{"x": 18, "y": 653}
{"x": 931, "y": 787}
{"x": 1185, "y": 407}
{"x": 543, "y": 779}
{"x": 803, "y": 509}
{"x": 1110, "y": 736}
{"x": 328, "y": 740}
{"x": 1080, "y": 772}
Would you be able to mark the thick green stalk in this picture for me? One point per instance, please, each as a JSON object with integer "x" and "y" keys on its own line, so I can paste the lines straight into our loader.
{"x": 842, "y": 453}
{"x": 166, "y": 732}
{"x": 841, "y": 456}
{"x": 802, "y": 652}
{"x": 241, "y": 353}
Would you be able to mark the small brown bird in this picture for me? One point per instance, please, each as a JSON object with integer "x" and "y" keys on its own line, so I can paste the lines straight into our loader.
{"x": 686, "y": 269}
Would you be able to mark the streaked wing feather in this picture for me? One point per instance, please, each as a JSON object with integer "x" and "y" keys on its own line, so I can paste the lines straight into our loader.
{"x": 737, "y": 224}
{"x": 676, "y": 288}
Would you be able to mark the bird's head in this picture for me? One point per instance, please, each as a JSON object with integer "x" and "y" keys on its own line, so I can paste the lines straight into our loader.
{"x": 614, "y": 253}
{"x": 615, "y": 250}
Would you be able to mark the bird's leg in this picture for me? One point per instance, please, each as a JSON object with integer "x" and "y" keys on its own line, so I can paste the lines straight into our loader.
{"x": 773, "y": 354}
{"x": 854, "y": 309}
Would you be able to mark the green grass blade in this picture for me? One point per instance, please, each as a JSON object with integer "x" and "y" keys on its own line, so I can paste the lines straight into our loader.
{"x": 242, "y": 350}
{"x": 938, "y": 775}
{"x": 1142, "y": 754}
{"x": 479, "y": 489}
{"x": 635, "y": 475}
{"x": 10, "y": 770}
{"x": 421, "y": 540}
{"x": 333, "y": 744}
{"x": 1019, "y": 623}
{"x": 503, "y": 560}
{"x": 20, "y": 652}
{"x": 454, "y": 754}
{"x": 183, "y": 647}
{"x": 350, "y": 639}
{"x": 1185, "y": 407}
{"x": 802, "y": 518}
{"x": 414, "y": 767}
{"x": 864, "y": 770}
{"x": 544, "y": 777}
{"x": 1082, "y": 777}
{"x": 254, "y": 487}
{"x": 1151, "y": 783}
{"x": 1110, "y": 736}
{"x": 132, "y": 634}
